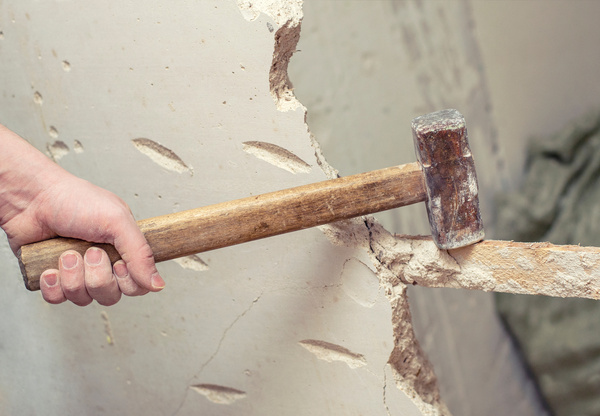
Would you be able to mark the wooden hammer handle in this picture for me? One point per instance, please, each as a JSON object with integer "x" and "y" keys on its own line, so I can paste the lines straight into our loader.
{"x": 229, "y": 223}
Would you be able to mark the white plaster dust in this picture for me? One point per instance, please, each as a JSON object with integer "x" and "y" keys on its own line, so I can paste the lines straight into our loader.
{"x": 281, "y": 11}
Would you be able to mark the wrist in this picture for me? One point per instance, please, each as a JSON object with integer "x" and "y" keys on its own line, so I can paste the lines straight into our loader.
{"x": 24, "y": 174}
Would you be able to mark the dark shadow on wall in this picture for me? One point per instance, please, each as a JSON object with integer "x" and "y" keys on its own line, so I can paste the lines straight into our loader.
{"x": 559, "y": 202}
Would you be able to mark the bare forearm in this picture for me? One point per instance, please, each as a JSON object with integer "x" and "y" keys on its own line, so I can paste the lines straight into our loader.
{"x": 24, "y": 174}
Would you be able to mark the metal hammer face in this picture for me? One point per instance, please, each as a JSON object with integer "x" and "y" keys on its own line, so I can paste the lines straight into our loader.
{"x": 450, "y": 180}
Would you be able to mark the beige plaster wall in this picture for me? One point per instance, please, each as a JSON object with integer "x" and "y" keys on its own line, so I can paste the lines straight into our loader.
{"x": 299, "y": 324}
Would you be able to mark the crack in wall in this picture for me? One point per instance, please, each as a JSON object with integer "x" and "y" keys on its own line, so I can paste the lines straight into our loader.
{"x": 413, "y": 373}
{"x": 391, "y": 255}
{"x": 215, "y": 353}
{"x": 224, "y": 335}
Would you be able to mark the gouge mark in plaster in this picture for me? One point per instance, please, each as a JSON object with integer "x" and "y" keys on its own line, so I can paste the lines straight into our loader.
{"x": 160, "y": 155}
{"x": 57, "y": 150}
{"x": 110, "y": 339}
{"x": 282, "y": 90}
{"x": 329, "y": 352}
{"x": 219, "y": 394}
{"x": 77, "y": 146}
{"x": 277, "y": 156}
{"x": 37, "y": 98}
{"x": 53, "y": 132}
{"x": 192, "y": 262}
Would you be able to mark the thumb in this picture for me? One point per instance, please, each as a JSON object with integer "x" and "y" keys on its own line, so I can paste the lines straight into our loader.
{"x": 138, "y": 257}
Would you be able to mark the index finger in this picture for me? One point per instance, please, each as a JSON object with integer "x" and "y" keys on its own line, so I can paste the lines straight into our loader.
{"x": 138, "y": 257}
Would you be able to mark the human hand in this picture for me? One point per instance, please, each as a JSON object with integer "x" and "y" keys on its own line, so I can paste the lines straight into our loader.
{"x": 40, "y": 200}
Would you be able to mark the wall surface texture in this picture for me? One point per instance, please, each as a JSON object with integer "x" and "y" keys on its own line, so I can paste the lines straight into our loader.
{"x": 174, "y": 105}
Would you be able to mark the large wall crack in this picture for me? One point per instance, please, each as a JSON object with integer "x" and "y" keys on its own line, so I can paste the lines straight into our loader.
{"x": 391, "y": 256}
{"x": 413, "y": 373}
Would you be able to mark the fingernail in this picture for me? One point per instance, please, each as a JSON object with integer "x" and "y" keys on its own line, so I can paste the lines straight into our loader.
{"x": 93, "y": 256}
{"x": 69, "y": 260}
{"x": 157, "y": 281}
{"x": 50, "y": 279}
{"x": 120, "y": 270}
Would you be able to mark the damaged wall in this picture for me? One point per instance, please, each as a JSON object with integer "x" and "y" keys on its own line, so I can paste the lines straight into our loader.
{"x": 514, "y": 69}
{"x": 364, "y": 70}
{"x": 173, "y": 106}
{"x": 178, "y": 105}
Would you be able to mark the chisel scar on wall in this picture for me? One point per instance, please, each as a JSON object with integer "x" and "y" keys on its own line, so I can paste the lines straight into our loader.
{"x": 161, "y": 155}
{"x": 329, "y": 352}
{"x": 219, "y": 394}
{"x": 277, "y": 156}
{"x": 192, "y": 262}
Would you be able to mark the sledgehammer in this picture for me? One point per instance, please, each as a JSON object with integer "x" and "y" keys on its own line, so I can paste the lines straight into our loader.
{"x": 443, "y": 176}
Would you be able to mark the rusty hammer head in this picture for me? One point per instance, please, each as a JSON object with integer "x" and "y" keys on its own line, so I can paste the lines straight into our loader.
{"x": 450, "y": 180}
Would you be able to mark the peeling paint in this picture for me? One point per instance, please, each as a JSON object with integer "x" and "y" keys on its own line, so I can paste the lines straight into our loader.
{"x": 161, "y": 155}
{"x": 277, "y": 156}
{"x": 219, "y": 394}
{"x": 329, "y": 352}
